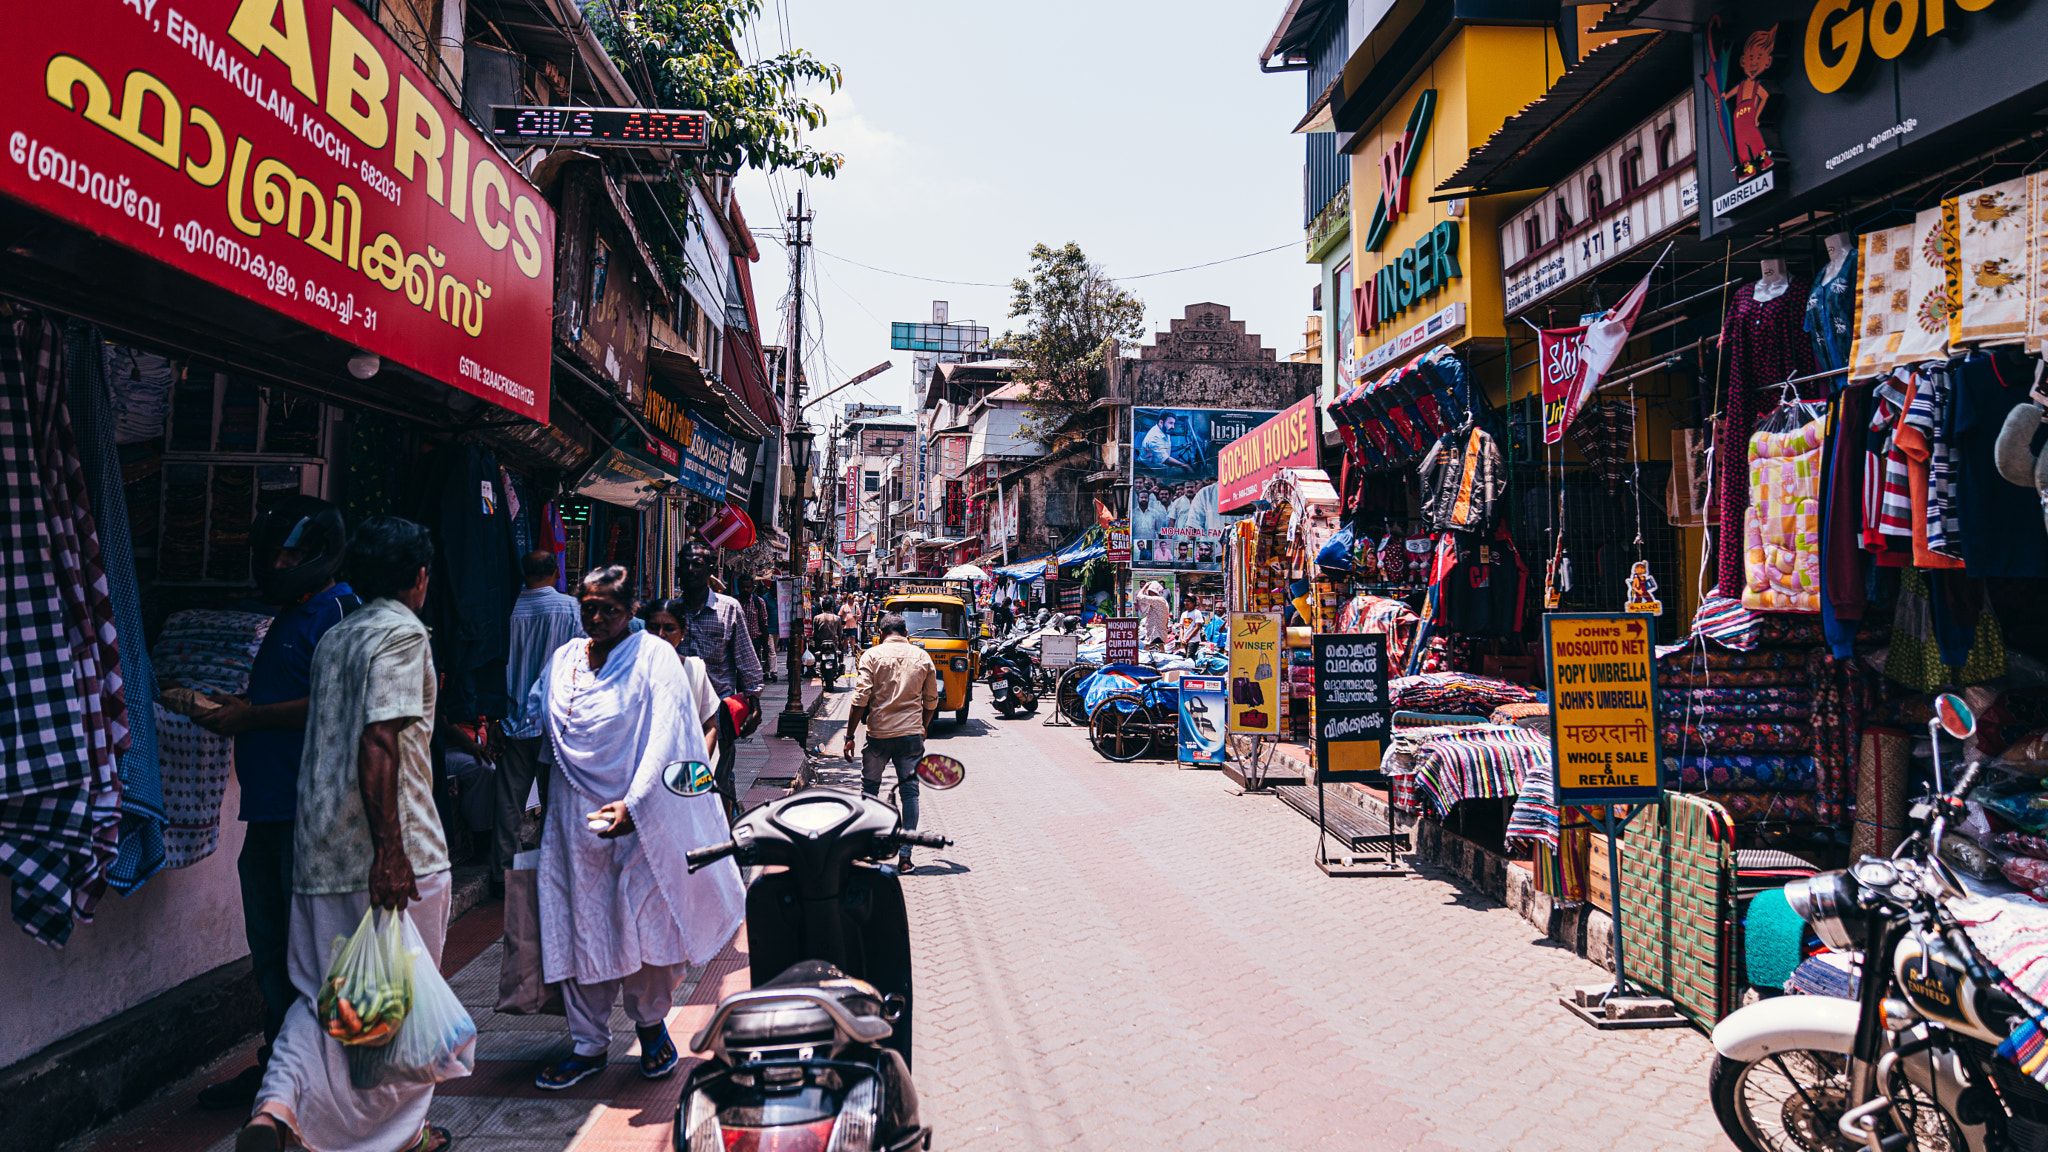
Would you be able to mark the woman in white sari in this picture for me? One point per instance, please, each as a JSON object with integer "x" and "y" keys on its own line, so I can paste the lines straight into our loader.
{"x": 620, "y": 913}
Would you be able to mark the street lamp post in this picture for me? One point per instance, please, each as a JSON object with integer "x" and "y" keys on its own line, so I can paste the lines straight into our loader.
{"x": 795, "y": 723}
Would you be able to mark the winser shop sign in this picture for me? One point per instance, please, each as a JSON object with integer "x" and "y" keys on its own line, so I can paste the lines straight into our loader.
{"x": 289, "y": 152}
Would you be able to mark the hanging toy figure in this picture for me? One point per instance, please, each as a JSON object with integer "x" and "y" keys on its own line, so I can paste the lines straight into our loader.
{"x": 1642, "y": 590}
{"x": 1557, "y": 575}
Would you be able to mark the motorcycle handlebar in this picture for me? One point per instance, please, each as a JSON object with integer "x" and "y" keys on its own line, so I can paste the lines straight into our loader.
{"x": 700, "y": 857}
{"x": 911, "y": 836}
{"x": 1968, "y": 779}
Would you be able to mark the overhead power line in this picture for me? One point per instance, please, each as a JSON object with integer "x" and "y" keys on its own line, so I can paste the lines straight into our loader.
{"x": 984, "y": 284}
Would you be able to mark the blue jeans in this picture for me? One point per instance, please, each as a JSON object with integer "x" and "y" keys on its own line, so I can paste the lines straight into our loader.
{"x": 902, "y": 751}
{"x": 265, "y": 867}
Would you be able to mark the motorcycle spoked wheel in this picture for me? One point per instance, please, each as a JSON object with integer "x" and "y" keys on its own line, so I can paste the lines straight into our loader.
{"x": 1793, "y": 1102}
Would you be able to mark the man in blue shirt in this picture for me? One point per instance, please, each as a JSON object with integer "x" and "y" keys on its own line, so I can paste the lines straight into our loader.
{"x": 298, "y": 549}
{"x": 543, "y": 620}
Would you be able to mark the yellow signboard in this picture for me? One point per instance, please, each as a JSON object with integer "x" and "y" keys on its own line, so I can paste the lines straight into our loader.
{"x": 1258, "y": 673}
{"x": 1603, "y": 725}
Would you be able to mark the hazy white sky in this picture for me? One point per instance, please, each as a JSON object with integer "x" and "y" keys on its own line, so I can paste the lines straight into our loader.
{"x": 1140, "y": 129}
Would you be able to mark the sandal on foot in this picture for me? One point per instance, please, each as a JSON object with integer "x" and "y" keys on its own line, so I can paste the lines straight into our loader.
{"x": 433, "y": 1138}
{"x": 261, "y": 1135}
{"x": 568, "y": 1072}
{"x": 658, "y": 1055}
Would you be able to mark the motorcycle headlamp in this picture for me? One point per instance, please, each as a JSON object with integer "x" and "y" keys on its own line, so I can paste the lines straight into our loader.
{"x": 1829, "y": 903}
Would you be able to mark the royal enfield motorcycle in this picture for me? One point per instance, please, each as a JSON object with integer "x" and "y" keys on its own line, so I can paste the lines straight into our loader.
{"x": 815, "y": 1057}
{"x": 1911, "y": 1063}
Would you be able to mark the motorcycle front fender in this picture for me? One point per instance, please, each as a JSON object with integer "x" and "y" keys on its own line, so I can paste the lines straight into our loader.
{"x": 1787, "y": 1023}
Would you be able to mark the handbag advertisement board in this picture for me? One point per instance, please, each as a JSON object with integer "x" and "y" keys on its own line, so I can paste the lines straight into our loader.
{"x": 1202, "y": 700}
{"x": 1256, "y": 699}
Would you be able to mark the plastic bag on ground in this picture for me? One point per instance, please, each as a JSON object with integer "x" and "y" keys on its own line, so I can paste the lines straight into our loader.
{"x": 368, "y": 988}
{"x": 437, "y": 1040}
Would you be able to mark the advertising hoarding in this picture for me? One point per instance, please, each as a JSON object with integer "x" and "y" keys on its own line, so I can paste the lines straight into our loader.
{"x": 1288, "y": 440}
{"x": 1176, "y": 521}
{"x": 288, "y": 151}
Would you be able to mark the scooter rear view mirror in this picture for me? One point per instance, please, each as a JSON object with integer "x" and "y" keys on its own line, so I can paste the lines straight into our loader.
{"x": 687, "y": 777}
{"x": 941, "y": 772}
{"x": 1955, "y": 716}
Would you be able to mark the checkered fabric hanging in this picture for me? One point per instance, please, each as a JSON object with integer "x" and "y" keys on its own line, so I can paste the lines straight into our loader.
{"x": 64, "y": 718}
{"x": 1605, "y": 433}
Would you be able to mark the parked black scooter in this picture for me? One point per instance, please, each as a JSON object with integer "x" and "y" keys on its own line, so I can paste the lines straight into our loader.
{"x": 1012, "y": 676}
{"x": 816, "y": 1056}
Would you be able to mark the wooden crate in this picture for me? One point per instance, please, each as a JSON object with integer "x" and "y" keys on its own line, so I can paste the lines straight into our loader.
{"x": 1599, "y": 883}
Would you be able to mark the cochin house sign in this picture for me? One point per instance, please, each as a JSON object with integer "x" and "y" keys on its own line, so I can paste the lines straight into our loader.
{"x": 288, "y": 151}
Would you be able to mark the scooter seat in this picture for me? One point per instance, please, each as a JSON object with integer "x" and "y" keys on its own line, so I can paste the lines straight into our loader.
{"x": 787, "y": 1023}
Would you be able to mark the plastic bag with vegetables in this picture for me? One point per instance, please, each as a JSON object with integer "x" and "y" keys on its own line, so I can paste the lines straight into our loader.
{"x": 368, "y": 988}
{"x": 435, "y": 1042}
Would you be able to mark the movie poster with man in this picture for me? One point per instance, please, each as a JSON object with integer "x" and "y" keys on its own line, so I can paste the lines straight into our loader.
{"x": 1175, "y": 526}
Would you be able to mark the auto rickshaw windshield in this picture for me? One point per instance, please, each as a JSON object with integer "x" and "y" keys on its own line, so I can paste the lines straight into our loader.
{"x": 935, "y": 620}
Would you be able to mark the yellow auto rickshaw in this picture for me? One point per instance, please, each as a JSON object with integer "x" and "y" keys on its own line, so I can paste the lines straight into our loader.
{"x": 943, "y": 623}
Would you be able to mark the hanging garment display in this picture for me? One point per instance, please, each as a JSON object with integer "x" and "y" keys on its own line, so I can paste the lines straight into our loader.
{"x": 2001, "y": 522}
{"x": 476, "y": 556}
{"x": 1904, "y": 309}
{"x": 1781, "y": 527}
{"x": 1461, "y": 479}
{"x": 1606, "y": 435}
{"x": 1765, "y": 346}
{"x": 63, "y": 721}
{"x": 1995, "y": 249}
{"x": 1831, "y": 313}
{"x": 142, "y": 814}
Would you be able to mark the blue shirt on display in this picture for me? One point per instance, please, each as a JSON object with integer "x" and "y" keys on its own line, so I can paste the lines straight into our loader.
{"x": 267, "y": 759}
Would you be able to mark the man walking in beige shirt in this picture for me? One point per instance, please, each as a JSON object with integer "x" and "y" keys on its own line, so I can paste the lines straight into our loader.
{"x": 898, "y": 695}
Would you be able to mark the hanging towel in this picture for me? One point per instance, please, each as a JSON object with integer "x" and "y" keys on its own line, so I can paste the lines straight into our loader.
{"x": 141, "y": 843}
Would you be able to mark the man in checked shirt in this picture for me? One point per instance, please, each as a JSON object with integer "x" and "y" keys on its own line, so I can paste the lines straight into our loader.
{"x": 716, "y": 630}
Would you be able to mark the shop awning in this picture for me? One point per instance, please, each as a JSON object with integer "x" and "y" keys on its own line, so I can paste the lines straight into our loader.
{"x": 1589, "y": 107}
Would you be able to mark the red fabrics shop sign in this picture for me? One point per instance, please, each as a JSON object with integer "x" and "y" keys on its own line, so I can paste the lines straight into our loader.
{"x": 1288, "y": 440}
{"x": 289, "y": 152}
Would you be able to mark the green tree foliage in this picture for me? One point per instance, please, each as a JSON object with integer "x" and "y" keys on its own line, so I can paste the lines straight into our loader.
{"x": 1072, "y": 311}
{"x": 686, "y": 47}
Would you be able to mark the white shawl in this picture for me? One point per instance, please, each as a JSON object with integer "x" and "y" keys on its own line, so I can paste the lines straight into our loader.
{"x": 611, "y": 732}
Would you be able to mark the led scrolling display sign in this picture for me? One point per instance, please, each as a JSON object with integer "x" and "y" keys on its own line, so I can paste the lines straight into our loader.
{"x": 647, "y": 127}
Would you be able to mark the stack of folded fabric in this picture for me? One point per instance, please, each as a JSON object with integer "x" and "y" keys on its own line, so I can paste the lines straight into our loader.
{"x": 1534, "y": 717}
{"x": 211, "y": 650}
{"x": 1456, "y": 692}
{"x": 1740, "y": 724}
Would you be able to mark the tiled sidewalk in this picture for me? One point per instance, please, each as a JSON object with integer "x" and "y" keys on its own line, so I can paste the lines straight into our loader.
{"x": 497, "y": 1108}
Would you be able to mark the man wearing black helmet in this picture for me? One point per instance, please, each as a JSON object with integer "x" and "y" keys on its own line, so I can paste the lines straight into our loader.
{"x": 297, "y": 551}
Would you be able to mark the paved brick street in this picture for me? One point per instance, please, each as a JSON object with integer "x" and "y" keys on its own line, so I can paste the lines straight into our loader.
{"x": 1122, "y": 956}
{"x": 1131, "y": 956}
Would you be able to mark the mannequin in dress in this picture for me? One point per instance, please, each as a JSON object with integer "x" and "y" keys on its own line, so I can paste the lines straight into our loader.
{"x": 1774, "y": 282}
{"x": 1831, "y": 308}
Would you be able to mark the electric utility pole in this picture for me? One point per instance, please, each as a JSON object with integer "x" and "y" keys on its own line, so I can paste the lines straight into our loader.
{"x": 795, "y": 723}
